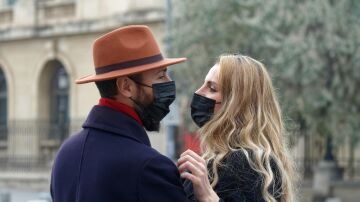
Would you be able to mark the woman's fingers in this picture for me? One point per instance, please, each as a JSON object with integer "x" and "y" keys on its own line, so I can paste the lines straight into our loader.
{"x": 188, "y": 158}
{"x": 193, "y": 167}
{"x": 191, "y": 177}
{"x": 194, "y": 155}
{"x": 192, "y": 170}
{"x": 189, "y": 166}
{"x": 194, "y": 174}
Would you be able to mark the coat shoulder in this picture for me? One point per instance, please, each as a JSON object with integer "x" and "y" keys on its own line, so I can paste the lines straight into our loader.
{"x": 159, "y": 173}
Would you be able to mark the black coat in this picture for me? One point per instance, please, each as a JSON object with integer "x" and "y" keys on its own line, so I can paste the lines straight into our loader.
{"x": 111, "y": 160}
{"x": 238, "y": 182}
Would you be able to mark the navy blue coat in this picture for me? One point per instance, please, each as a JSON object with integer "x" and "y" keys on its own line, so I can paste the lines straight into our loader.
{"x": 111, "y": 160}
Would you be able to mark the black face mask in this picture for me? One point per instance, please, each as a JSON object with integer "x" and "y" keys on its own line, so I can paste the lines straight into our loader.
{"x": 202, "y": 109}
{"x": 152, "y": 114}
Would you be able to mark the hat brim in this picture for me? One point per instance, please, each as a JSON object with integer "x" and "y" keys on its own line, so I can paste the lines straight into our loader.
{"x": 129, "y": 71}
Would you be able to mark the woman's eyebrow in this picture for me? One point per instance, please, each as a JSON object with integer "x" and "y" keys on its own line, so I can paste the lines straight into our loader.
{"x": 211, "y": 83}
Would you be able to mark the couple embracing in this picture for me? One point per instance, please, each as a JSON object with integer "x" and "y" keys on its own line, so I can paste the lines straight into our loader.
{"x": 241, "y": 131}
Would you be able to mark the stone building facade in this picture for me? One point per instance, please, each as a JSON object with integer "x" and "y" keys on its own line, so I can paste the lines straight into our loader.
{"x": 44, "y": 46}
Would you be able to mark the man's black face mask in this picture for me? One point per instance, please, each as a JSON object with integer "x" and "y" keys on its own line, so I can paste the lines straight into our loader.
{"x": 153, "y": 113}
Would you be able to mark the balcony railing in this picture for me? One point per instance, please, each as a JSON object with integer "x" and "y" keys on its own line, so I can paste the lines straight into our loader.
{"x": 55, "y": 11}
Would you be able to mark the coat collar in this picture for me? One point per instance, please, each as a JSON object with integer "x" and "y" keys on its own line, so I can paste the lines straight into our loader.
{"x": 110, "y": 120}
{"x": 121, "y": 107}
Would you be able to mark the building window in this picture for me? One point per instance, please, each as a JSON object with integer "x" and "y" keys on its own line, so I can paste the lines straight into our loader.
{"x": 10, "y": 2}
{"x": 59, "y": 103}
{"x": 3, "y": 106}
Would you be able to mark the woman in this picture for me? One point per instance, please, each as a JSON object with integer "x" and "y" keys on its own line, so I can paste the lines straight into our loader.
{"x": 242, "y": 137}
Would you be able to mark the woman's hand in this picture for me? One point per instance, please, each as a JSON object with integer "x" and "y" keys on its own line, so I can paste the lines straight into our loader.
{"x": 193, "y": 167}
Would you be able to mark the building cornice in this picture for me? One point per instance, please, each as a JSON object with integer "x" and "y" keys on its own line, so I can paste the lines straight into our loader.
{"x": 79, "y": 27}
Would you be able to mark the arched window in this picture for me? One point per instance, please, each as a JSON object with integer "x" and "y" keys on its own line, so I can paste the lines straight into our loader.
{"x": 59, "y": 102}
{"x": 53, "y": 106}
{"x": 3, "y": 106}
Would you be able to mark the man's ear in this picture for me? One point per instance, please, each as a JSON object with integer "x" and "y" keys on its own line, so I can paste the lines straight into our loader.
{"x": 125, "y": 86}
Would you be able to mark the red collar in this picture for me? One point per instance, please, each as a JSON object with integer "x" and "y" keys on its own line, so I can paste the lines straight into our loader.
{"x": 118, "y": 106}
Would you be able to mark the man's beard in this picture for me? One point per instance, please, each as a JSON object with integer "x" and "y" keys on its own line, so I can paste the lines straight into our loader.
{"x": 142, "y": 101}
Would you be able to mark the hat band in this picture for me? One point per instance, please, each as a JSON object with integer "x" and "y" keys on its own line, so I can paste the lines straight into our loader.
{"x": 128, "y": 64}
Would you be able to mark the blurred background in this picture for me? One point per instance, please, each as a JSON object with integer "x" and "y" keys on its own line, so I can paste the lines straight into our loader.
{"x": 310, "y": 47}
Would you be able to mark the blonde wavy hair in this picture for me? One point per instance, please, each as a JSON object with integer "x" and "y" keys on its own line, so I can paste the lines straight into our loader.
{"x": 248, "y": 120}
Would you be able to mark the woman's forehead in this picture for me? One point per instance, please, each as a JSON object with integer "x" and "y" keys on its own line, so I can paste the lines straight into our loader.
{"x": 213, "y": 73}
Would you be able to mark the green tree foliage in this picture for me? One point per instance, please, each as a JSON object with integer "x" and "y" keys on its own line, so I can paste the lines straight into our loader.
{"x": 311, "y": 48}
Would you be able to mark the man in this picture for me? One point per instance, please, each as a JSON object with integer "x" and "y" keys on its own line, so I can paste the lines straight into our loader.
{"x": 111, "y": 159}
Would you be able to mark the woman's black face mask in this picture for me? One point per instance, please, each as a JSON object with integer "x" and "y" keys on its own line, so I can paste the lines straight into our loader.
{"x": 202, "y": 109}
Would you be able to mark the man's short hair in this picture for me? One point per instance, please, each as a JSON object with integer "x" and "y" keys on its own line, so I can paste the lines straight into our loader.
{"x": 108, "y": 88}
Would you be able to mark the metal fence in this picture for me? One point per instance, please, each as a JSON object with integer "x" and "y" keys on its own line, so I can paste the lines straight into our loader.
{"x": 27, "y": 146}
{"x": 306, "y": 168}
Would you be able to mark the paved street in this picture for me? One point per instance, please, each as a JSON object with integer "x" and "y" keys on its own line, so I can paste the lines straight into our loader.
{"x": 23, "y": 196}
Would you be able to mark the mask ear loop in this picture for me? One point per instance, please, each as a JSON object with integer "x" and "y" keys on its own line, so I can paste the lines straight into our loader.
{"x": 141, "y": 84}
{"x": 136, "y": 82}
{"x": 133, "y": 100}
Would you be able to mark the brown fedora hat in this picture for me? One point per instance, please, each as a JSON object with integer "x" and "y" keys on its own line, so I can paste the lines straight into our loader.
{"x": 125, "y": 51}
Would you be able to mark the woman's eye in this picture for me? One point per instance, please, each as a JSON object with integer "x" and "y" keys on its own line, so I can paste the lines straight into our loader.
{"x": 213, "y": 90}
